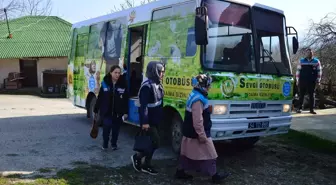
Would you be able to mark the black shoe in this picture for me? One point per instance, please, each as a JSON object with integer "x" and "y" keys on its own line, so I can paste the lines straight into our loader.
{"x": 149, "y": 170}
{"x": 136, "y": 163}
{"x": 312, "y": 112}
{"x": 181, "y": 174}
{"x": 115, "y": 147}
{"x": 298, "y": 111}
{"x": 218, "y": 178}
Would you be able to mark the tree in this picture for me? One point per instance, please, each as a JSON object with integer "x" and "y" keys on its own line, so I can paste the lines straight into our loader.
{"x": 17, "y": 8}
{"x": 321, "y": 37}
{"x": 13, "y": 8}
{"x": 130, "y": 4}
{"x": 37, "y": 7}
{"x": 323, "y": 33}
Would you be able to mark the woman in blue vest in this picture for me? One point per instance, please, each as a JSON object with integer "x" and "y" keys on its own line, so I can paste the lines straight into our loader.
{"x": 112, "y": 104}
{"x": 151, "y": 113}
{"x": 197, "y": 149}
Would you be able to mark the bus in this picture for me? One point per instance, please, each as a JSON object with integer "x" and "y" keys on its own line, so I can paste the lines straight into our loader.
{"x": 244, "y": 46}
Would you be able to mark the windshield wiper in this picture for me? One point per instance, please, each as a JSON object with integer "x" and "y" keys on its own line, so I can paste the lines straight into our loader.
{"x": 272, "y": 60}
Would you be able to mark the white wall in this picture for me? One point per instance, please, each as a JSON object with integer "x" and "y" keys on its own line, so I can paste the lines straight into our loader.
{"x": 7, "y": 66}
{"x": 50, "y": 63}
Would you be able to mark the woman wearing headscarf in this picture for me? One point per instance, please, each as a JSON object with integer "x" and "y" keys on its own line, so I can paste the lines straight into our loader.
{"x": 150, "y": 112}
{"x": 197, "y": 149}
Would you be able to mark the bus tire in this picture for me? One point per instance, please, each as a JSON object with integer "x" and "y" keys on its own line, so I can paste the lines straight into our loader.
{"x": 246, "y": 143}
{"x": 176, "y": 133}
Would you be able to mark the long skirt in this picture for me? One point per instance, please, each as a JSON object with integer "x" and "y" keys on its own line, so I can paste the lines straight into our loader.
{"x": 206, "y": 167}
{"x": 199, "y": 157}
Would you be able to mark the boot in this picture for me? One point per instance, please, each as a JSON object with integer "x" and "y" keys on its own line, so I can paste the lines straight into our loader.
{"x": 312, "y": 112}
{"x": 181, "y": 174}
{"x": 218, "y": 178}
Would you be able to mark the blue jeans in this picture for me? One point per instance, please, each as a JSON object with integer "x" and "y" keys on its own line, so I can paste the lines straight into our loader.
{"x": 108, "y": 125}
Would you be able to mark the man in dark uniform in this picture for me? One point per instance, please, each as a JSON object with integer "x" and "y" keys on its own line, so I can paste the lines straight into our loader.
{"x": 309, "y": 73}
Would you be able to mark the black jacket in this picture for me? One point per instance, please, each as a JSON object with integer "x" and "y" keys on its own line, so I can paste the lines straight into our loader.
{"x": 112, "y": 99}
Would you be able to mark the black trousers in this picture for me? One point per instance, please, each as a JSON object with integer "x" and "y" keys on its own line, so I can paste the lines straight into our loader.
{"x": 108, "y": 125}
{"x": 155, "y": 137}
{"x": 307, "y": 87}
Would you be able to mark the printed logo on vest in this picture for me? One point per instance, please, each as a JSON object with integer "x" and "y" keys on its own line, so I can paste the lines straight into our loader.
{"x": 286, "y": 89}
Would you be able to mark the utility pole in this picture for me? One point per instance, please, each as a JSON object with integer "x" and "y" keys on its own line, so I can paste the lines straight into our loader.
{"x": 9, "y": 33}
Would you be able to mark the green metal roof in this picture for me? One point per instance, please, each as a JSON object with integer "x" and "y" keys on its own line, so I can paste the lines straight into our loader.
{"x": 35, "y": 36}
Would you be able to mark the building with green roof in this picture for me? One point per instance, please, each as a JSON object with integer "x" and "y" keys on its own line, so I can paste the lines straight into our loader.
{"x": 35, "y": 44}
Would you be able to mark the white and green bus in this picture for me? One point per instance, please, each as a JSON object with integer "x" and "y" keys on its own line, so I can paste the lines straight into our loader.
{"x": 244, "y": 46}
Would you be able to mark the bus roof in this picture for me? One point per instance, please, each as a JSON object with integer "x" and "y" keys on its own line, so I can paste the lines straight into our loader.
{"x": 134, "y": 17}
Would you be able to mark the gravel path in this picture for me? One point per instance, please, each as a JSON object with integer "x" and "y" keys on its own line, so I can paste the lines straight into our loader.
{"x": 40, "y": 133}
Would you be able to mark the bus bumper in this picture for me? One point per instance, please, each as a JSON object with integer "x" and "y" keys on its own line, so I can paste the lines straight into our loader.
{"x": 225, "y": 129}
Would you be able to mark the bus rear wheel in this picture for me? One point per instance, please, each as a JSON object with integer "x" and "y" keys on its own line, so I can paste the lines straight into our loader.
{"x": 176, "y": 133}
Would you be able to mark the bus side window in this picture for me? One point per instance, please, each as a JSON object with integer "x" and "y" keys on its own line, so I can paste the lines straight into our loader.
{"x": 113, "y": 43}
{"x": 191, "y": 44}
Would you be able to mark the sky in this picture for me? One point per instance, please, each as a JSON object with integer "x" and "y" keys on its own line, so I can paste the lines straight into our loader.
{"x": 297, "y": 12}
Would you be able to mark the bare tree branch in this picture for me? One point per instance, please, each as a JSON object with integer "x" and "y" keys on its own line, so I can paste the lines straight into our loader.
{"x": 13, "y": 8}
{"x": 17, "y": 8}
{"x": 37, "y": 7}
{"x": 129, "y": 4}
{"x": 322, "y": 38}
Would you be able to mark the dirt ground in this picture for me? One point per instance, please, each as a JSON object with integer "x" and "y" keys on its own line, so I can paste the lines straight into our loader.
{"x": 46, "y": 141}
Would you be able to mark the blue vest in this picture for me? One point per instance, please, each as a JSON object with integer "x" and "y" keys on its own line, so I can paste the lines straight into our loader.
{"x": 188, "y": 129}
{"x": 157, "y": 98}
{"x": 155, "y": 104}
{"x": 309, "y": 70}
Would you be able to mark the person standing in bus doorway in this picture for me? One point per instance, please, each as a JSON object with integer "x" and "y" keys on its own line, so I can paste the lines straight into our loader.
{"x": 308, "y": 74}
{"x": 112, "y": 104}
{"x": 198, "y": 152}
{"x": 151, "y": 113}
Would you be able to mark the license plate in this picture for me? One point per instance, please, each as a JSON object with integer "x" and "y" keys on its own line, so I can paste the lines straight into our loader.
{"x": 258, "y": 105}
{"x": 264, "y": 124}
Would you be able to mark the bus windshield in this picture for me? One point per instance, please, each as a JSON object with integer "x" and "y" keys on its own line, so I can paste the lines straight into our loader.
{"x": 271, "y": 42}
{"x": 230, "y": 46}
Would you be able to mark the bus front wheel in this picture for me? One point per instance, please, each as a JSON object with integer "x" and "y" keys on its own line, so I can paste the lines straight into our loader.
{"x": 176, "y": 133}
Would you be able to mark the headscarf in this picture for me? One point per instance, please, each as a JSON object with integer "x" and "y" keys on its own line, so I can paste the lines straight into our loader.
{"x": 202, "y": 82}
{"x": 153, "y": 71}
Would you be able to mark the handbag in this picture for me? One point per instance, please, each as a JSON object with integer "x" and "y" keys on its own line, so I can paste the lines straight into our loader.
{"x": 143, "y": 142}
{"x": 94, "y": 129}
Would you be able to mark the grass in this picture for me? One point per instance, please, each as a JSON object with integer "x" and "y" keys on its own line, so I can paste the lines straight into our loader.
{"x": 45, "y": 170}
{"x": 91, "y": 174}
{"x": 309, "y": 141}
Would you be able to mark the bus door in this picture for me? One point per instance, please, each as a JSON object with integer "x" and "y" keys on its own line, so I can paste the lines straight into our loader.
{"x": 135, "y": 60}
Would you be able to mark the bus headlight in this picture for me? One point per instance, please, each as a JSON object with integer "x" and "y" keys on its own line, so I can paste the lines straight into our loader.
{"x": 286, "y": 108}
{"x": 219, "y": 109}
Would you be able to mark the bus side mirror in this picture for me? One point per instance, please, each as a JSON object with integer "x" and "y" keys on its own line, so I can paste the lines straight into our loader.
{"x": 295, "y": 44}
{"x": 201, "y": 26}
